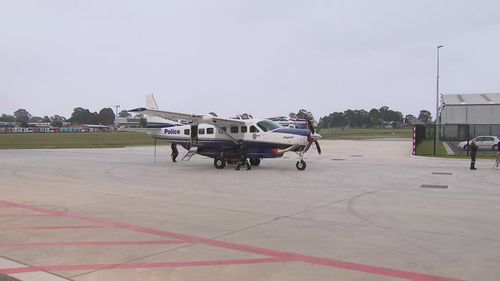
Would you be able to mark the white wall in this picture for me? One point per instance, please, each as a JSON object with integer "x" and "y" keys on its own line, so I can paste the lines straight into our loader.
{"x": 471, "y": 114}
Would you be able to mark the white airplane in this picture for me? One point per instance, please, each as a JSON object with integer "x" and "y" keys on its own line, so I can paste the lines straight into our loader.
{"x": 220, "y": 138}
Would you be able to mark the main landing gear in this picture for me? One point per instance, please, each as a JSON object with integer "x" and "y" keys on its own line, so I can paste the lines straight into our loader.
{"x": 255, "y": 161}
{"x": 219, "y": 163}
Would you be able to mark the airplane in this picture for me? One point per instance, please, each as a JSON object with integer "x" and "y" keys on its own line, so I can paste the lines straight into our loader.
{"x": 220, "y": 138}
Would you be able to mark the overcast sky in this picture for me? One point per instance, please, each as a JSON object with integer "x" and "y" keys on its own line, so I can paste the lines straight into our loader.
{"x": 265, "y": 57}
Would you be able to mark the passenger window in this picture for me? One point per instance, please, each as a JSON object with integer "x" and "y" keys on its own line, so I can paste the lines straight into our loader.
{"x": 201, "y": 131}
{"x": 244, "y": 129}
{"x": 253, "y": 129}
{"x": 210, "y": 131}
{"x": 186, "y": 132}
{"x": 234, "y": 129}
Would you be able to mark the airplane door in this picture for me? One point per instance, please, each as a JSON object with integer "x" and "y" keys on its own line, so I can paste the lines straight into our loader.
{"x": 194, "y": 135}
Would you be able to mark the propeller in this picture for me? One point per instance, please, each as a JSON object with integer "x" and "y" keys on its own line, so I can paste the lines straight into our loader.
{"x": 311, "y": 128}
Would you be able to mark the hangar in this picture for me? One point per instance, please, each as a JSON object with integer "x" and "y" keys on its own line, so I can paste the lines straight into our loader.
{"x": 464, "y": 116}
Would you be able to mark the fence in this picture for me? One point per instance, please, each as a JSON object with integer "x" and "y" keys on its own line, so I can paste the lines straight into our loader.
{"x": 424, "y": 141}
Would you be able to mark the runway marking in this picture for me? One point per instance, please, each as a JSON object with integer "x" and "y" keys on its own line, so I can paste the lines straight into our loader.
{"x": 62, "y": 227}
{"x": 90, "y": 243}
{"x": 23, "y": 215}
{"x": 274, "y": 256}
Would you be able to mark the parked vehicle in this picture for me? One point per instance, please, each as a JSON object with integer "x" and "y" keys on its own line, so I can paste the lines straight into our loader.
{"x": 482, "y": 142}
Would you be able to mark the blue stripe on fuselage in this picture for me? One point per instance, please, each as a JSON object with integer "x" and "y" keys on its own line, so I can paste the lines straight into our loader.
{"x": 293, "y": 131}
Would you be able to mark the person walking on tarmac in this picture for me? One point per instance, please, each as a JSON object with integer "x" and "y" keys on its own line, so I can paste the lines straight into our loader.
{"x": 243, "y": 157}
{"x": 175, "y": 152}
{"x": 473, "y": 151}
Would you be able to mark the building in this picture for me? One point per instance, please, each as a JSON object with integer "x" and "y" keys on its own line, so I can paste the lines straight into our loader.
{"x": 464, "y": 116}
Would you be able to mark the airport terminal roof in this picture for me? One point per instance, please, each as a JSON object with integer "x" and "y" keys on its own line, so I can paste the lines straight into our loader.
{"x": 471, "y": 99}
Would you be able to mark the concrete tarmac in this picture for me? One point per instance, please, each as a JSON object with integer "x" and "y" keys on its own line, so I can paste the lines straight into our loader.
{"x": 363, "y": 210}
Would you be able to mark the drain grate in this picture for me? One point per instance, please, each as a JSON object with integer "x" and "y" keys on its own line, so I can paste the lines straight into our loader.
{"x": 442, "y": 173}
{"x": 434, "y": 186}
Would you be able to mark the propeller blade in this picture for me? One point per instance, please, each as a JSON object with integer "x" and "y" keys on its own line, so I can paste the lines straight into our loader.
{"x": 310, "y": 125}
{"x": 317, "y": 146}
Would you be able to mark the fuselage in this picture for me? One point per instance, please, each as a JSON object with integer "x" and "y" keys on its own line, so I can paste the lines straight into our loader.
{"x": 262, "y": 139}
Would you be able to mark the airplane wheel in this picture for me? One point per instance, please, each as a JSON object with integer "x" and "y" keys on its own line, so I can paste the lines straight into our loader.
{"x": 301, "y": 165}
{"x": 219, "y": 163}
{"x": 255, "y": 161}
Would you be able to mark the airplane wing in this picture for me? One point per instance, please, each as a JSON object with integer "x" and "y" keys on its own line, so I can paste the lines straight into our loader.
{"x": 193, "y": 118}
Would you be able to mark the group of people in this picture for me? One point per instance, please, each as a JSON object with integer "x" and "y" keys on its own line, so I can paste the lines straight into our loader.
{"x": 473, "y": 152}
{"x": 243, "y": 160}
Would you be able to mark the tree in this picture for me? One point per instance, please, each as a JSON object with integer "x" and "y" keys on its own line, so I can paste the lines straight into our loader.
{"x": 124, "y": 114}
{"x": 36, "y": 119}
{"x": 425, "y": 116}
{"x": 374, "y": 116}
{"x": 83, "y": 116}
{"x": 46, "y": 119}
{"x": 7, "y": 118}
{"x": 22, "y": 116}
{"x": 106, "y": 116}
{"x": 143, "y": 122}
{"x": 304, "y": 114}
{"x": 357, "y": 118}
{"x": 338, "y": 120}
{"x": 390, "y": 116}
{"x": 57, "y": 121}
{"x": 58, "y": 118}
{"x": 409, "y": 119}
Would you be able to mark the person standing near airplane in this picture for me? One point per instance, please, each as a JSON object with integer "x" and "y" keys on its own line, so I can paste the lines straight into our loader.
{"x": 243, "y": 157}
{"x": 497, "y": 161}
{"x": 473, "y": 151}
{"x": 175, "y": 152}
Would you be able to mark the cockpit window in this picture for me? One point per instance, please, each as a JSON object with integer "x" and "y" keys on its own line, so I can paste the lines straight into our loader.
{"x": 268, "y": 125}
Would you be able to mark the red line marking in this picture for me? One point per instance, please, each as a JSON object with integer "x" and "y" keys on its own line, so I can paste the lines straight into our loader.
{"x": 91, "y": 243}
{"x": 138, "y": 265}
{"x": 249, "y": 249}
{"x": 24, "y": 215}
{"x": 50, "y": 227}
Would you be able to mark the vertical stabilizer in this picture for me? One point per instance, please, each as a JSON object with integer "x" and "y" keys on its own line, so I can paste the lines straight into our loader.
{"x": 151, "y": 102}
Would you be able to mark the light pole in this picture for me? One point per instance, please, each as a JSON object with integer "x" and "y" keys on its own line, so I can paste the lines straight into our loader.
{"x": 437, "y": 129}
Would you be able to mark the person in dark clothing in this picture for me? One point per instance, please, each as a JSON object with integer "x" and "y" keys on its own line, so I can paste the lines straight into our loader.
{"x": 473, "y": 151}
{"x": 175, "y": 152}
{"x": 497, "y": 160}
{"x": 243, "y": 157}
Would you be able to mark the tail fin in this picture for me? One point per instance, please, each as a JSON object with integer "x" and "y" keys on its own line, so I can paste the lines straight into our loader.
{"x": 151, "y": 102}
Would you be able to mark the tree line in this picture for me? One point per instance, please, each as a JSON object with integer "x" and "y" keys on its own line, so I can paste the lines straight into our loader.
{"x": 80, "y": 115}
{"x": 375, "y": 118}
{"x": 359, "y": 118}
